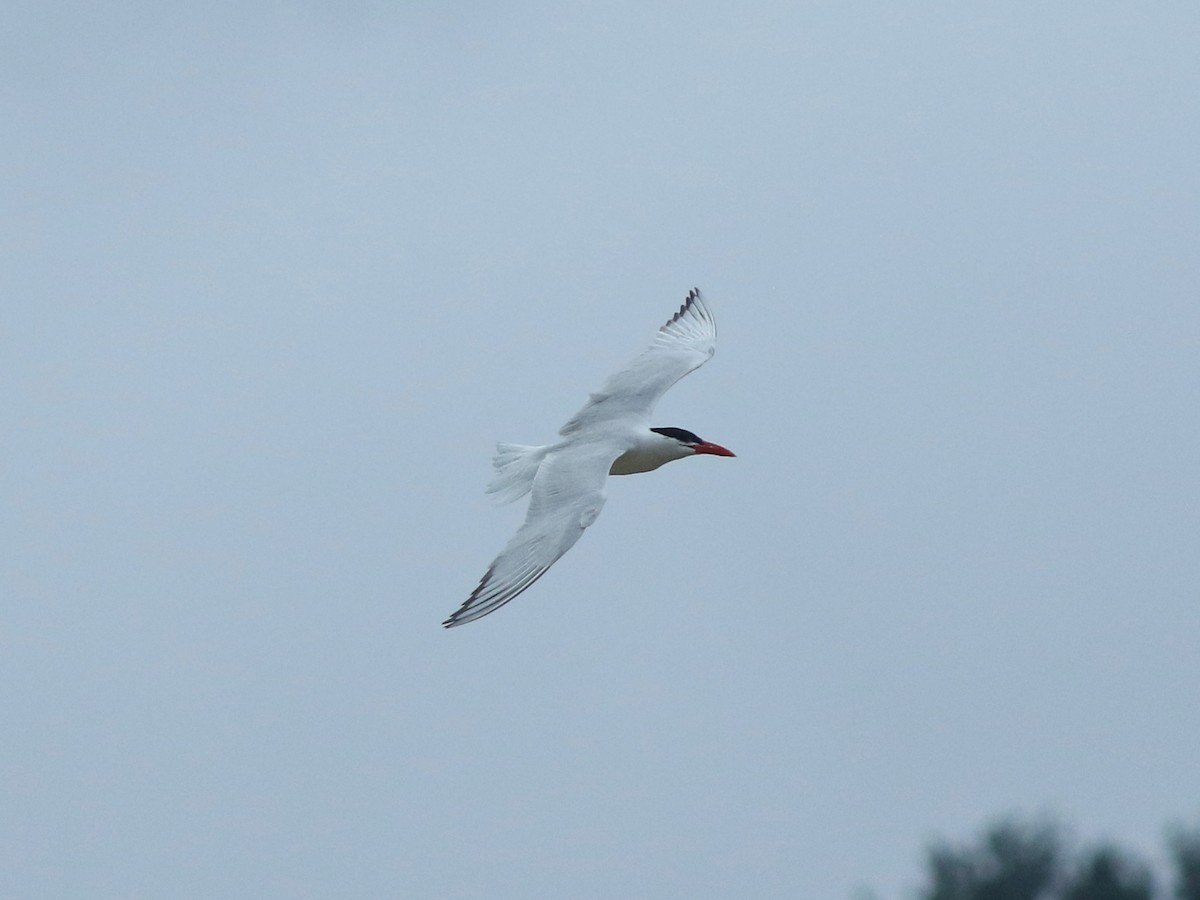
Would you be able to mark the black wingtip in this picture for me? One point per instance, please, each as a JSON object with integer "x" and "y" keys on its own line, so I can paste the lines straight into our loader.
{"x": 454, "y": 618}
{"x": 692, "y": 296}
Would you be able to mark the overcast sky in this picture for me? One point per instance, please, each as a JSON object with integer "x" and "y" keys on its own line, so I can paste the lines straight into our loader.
{"x": 276, "y": 277}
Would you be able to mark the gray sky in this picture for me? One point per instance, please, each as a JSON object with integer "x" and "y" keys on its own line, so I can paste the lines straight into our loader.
{"x": 275, "y": 279}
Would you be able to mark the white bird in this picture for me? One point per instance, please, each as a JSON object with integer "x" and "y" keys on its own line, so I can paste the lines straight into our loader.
{"x": 611, "y": 435}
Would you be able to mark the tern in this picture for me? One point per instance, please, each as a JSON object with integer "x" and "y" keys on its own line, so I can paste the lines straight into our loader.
{"x": 611, "y": 435}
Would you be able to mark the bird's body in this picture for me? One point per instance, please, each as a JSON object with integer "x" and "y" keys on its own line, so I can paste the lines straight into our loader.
{"x": 611, "y": 435}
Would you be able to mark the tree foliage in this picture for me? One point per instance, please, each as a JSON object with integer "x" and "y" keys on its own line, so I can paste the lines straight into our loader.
{"x": 1022, "y": 861}
{"x": 1185, "y": 852}
{"x": 1012, "y": 862}
{"x": 1108, "y": 874}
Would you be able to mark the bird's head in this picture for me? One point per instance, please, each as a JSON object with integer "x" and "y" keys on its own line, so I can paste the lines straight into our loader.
{"x": 692, "y": 442}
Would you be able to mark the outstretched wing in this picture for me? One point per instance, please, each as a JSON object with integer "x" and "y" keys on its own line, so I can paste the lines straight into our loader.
{"x": 568, "y": 494}
{"x": 683, "y": 344}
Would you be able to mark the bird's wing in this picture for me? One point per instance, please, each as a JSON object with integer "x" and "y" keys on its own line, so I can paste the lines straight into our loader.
{"x": 682, "y": 345}
{"x": 568, "y": 494}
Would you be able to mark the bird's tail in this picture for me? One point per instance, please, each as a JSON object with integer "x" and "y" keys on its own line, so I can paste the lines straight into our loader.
{"x": 516, "y": 465}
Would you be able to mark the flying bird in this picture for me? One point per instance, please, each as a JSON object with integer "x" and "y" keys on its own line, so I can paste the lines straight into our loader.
{"x": 611, "y": 435}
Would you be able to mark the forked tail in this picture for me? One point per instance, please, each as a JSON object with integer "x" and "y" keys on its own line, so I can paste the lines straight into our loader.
{"x": 516, "y": 465}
